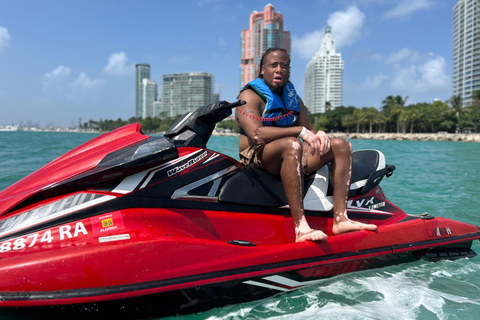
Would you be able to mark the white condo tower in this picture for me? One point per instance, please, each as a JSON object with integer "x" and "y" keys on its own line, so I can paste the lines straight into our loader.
{"x": 466, "y": 49}
{"x": 324, "y": 77}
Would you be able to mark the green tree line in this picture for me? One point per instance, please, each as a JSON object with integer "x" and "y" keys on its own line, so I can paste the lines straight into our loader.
{"x": 149, "y": 124}
{"x": 395, "y": 116}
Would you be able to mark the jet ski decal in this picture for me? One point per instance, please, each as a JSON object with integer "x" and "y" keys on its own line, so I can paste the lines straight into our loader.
{"x": 51, "y": 211}
{"x": 117, "y": 237}
{"x": 186, "y": 165}
{"x": 371, "y": 205}
{"x": 48, "y": 236}
{"x": 107, "y": 223}
{"x": 281, "y": 283}
{"x": 141, "y": 179}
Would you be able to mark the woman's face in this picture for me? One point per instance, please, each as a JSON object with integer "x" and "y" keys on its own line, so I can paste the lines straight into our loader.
{"x": 276, "y": 70}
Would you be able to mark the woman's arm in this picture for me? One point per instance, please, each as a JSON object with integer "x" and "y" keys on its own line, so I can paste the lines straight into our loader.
{"x": 248, "y": 118}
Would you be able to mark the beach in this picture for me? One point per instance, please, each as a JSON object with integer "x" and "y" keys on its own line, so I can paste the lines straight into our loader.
{"x": 441, "y": 136}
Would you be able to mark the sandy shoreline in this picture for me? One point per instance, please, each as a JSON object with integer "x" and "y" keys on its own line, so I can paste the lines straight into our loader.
{"x": 457, "y": 137}
{"x": 474, "y": 137}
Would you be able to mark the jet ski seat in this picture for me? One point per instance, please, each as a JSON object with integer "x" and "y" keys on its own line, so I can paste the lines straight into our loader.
{"x": 259, "y": 188}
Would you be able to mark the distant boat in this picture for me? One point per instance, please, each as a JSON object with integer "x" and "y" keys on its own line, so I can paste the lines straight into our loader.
{"x": 9, "y": 128}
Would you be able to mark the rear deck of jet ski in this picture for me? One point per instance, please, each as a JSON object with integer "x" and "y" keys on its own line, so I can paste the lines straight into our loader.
{"x": 259, "y": 188}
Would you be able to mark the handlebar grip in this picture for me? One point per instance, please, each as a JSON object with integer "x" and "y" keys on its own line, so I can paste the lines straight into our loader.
{"x": 236, "y": 104}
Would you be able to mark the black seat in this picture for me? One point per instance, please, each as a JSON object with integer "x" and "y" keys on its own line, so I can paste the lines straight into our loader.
{"x": 257, "y": 187}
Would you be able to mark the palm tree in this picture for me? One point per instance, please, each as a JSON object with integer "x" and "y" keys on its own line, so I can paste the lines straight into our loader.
{"x": 393, "y": 106}
{"x": 456, "y": 102}
{"x": 471, "y": 115}
{"x": 370, "y": 114}
{"x": 387, "y": 103}
{"x": 380, "y": 119}
{"x": 348, "y": 120}
{"x": 359, "y": 116}
{"x": 396, "y": 111}
{"x": 412, "y": 116}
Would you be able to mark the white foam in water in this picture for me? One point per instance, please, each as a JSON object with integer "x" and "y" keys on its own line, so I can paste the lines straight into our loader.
{"x": 419, "y": 291}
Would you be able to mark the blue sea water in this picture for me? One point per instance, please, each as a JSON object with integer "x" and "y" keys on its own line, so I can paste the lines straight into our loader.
{"x": 441, "y": 178}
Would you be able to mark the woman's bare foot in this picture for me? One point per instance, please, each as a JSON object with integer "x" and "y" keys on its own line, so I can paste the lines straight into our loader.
{"x": 349, "y": 225}
{"x": 312, "y": 235}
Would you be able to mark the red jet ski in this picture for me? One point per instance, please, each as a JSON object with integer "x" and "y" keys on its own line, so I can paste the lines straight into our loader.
{"x": 133, "y": 226}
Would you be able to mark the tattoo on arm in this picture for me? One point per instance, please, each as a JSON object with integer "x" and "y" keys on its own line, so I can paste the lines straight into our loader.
{"x": 248, "y": 114}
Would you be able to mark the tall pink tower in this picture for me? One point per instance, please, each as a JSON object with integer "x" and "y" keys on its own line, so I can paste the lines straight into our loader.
{"x": 266, "y": 31}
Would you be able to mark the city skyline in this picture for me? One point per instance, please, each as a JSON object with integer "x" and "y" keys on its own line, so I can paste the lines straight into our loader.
{"x": 63, "y": 61}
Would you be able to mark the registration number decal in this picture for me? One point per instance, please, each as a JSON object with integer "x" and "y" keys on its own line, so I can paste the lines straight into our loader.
{"x": 48, "y": 236}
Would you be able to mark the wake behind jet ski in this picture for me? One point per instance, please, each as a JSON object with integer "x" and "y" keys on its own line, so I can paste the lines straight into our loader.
{"x": 133, "y": 226}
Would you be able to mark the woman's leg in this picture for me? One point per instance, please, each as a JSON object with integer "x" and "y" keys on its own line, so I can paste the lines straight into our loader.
{"x": 283, "y": 157}
{"x": 340, "y": 156}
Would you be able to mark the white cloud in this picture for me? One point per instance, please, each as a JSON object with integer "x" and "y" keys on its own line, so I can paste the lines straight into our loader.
{"x": 83, "y": 89}
{"x": 405, "y": 77}
{"x": 4, "y": 38}
{"x": 117, "y": 65}
{"x": 59, "y": 72}
{"x": 83, "y": 82}
{"x": 346, "y": 26}
{"x": 423, "y": 77}
{"x": 58, "y": 84}
{"x": 308, "y": 44}
{"x": 55, "y": 82}
{"x": 405, "y": 8}
{"x": 433, "y": 75}
{"x": 346, "y": 29}
{"x": 402, "y": 55}
{"x": 374, "y": 82}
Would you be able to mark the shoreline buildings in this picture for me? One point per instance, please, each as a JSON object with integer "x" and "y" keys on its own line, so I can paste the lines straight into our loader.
{"x": 266, "y": 31}
{"x": 184, "y": 92}
{"x": 149, "y": 96}
{"x": 324, "y": 77}
{"x": 142, "y": 71}
{"x": 466, "y": 49}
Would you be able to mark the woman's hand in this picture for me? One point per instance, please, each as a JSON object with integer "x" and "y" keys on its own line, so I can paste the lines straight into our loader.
{"x": 319, "y": 143}
{"x": 324, "y": 141}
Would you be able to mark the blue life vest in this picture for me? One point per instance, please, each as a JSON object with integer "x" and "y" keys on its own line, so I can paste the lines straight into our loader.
{"x": 283, "y": 110}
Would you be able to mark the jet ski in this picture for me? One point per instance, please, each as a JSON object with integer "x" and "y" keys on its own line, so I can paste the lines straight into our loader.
{"x": 129, "y": 225}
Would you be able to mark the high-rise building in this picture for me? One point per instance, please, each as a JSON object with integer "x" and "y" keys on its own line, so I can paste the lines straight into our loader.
{"x": 466, "y": 49}
{"x": 149, "y": 96}
{"x": 324, "y": 77}
{"x": 184, "y": 92}
{"x": 142, "y": 71}
{"x": 266, "y": 31}
{"x": 157, "y": 107}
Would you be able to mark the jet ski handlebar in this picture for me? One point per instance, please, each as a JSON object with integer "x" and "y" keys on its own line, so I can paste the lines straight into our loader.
{"x": 235, "y": 104}
{"x": 195, "y": 128}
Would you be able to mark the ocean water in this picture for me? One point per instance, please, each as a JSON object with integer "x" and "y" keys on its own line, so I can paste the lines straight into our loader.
{"x": 441, "y": 178}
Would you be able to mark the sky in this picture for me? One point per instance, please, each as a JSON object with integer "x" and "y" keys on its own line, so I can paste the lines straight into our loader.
{"x": 62, "y": 62}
